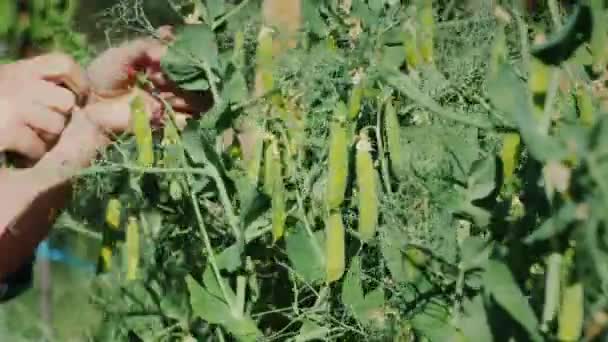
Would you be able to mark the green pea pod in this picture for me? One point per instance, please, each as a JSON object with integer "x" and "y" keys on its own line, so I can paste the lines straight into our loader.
{"x": 264, "y": 60}
{"x": 426, "y": 23}
{"x": 113, "y": 213}
{"x": 354, "y": 103}
{"x": 393, "y": 141}
{"x": 269, "y": 169}
{"x": 143, "y": 132}
{"x": 338, "y": 165}
{"x": 410, "y": 44}
{"x": 538, "y": 83}
{"x": 510, "y": 154}
{"x": 368, "y": 196}
{"x": 133, "y": 252}
{"x": 253, "y": 165}
{"x": 279, "y": 214}
{"x": 334, "y": 247}
{"x": 584, "y": 102}
{"x": 571, "y": 314}
{"x": 599, "y": 36}
{"x": 113, "y": 217}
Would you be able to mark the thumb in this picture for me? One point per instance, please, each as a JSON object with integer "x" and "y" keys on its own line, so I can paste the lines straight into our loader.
{"x": 114, "y": 115}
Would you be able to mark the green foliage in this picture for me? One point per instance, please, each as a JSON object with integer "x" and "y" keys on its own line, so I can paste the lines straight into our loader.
{"x": 460, "y": 253}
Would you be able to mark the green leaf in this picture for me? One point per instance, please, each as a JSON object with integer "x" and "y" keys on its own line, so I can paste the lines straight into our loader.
{"x": 235, "y": 90}
{"x": 215, "y": 8}
{"x": 563, "y": 44}
{"x": 501, "y": 284}
{"x": 352, "y": 290}
{"x": 305, "y": 259}
{"x": 482, "y": 178}
{"x": 230, "y": 258}
{"x": 433, "y": 322}
{"x": 193, "y": 53}
{"x": 401, "y": 267}
{"x": 474, "y": 253}
{"x": 312, "y": 331}
{"x": 554, "y": 225}
{"x": 510, "y": 96}
{"x": 215, "y": 311}
{"x": 474, "y": 320}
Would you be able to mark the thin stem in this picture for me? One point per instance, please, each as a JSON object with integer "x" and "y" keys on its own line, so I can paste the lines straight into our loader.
{"x": 230, "y": 13}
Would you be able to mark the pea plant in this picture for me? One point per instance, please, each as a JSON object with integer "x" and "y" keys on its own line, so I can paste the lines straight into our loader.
{"x": 388, "y": 170}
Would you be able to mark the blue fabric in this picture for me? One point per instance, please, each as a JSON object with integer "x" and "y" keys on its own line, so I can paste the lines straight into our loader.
{"x": 45, "y": 251}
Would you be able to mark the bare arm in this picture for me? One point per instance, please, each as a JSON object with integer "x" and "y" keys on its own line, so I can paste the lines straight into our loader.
{"x": 32, "y": 197}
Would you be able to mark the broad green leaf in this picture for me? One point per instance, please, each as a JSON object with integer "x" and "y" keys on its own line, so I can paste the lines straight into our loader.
{"x": 230, "y": 258}
{"x": 474, "y": 320}
{"x": 510, "y": 96}
{"x": 433, "y": 323}
{"x": 482, "y": 178}
{"x": 572, "y": 35}
{"x": 554, "y": 225}
{"x": 215, "y": 8}
{"x": 215, "y": 311}
{"x": 474, "y": 252}
{"x": 189, "y": 58}
{"x": 235, "y": 90}
{"x": 305, "y": 259}
{"x": 352, "y": 290}
{"x": 500, "y": 283}
{"x": 401, "y": 267}
{"x": 311, "y": 331}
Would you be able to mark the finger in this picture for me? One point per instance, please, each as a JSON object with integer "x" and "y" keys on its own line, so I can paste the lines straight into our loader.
{"x": 61, "y": 69}
{"x": 56, "y": 98}
{"x": 181, "y": 120}
{"x": 44, "y": 119}
{"x": 28, "y": 143}
{"x": 111, "y": 72}
{"x": 176, "y": 102}
{"x": 114, "y": 115}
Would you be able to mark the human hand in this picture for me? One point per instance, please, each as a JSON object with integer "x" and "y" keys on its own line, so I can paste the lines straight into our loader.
{"x": 90, "y": 130}
{"x": 33, "y": 104}
{"x": 113, "y": 73}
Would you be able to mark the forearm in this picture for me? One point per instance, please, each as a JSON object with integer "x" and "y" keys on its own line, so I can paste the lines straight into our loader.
{"x": 33, "y": 197}
{"x": 28, "y": 209}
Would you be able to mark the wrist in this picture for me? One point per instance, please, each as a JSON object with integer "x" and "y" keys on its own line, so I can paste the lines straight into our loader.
{"x": 78, "y": 146}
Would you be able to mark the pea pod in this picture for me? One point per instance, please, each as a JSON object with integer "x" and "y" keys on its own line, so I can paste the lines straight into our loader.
{"x": 426, "y": 23}
{"x": 278, "y": 194}
{"x": 265, "y": 80}
{"x": 354, "y": 103}
{"x": 538, "y": 83}
{"x": 132, "y": 245}
{"x": 113, "y": 213}
{"x": 599, "y": 36}
{"x": 571, "y": 313}
{"x": 584, "y": 103}
{"x": 368, "y": 196}
{"x": 510, "y": 154}
{"x": 269, "y": 168}
{"x": 113, "y": 219}
{"x": 410, "y": 44}
{"x": 393, "y": 141}
{"x": 334, "y": 247}
{"x": 254, "y": 163}
{"x": 143, "y": 132}
{"x": 338, "y": 164}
